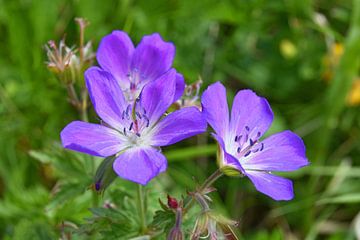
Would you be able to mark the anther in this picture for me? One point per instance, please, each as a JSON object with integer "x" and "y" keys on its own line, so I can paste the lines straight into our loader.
{"x": 247, "y": 154}
{"x": 124, "y": 131}
{"x": 132, "y": 86}
{"x": 258, "y": 134}
{"x": 247, "y": 128}
{"x": 138, "y": 114}
{"x": 131, "y": 126}
{"x": 147, "y": 120}
{"x": 262, "y": 147}
{"x": 128, "y": 109}
{"x": 238, "y": 149}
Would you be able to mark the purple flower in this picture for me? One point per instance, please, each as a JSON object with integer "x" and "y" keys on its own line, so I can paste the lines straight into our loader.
{"x": 132, "y": 131}
{"x": 239, "y": 138}
{"x": 134, "y": 67}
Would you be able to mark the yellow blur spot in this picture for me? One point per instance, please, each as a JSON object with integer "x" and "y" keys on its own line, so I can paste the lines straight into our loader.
{"x": 353, "y": 98}
{"x": 337, "y": 50}
{"x": 288, "y": 49}
{"x": 331, "y": 60}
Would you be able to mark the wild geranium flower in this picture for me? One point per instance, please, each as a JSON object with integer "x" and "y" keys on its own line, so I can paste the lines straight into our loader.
{"x": 134, "y": 67}
{"x": 132, "y": 131}
{"x": 239, "y": 136}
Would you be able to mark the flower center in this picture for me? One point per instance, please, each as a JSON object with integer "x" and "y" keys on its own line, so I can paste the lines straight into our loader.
{"x": 248, "y": 143}
{"x": 135, "y": 122}
{"x": 136, "y": 82}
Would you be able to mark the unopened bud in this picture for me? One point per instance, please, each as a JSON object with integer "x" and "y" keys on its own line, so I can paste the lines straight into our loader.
{"x": 104, "y": 175}
{"x": 172, "y": 202}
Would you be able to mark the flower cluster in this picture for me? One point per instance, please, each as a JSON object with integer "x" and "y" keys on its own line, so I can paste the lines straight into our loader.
{"x": 131, "y": 92}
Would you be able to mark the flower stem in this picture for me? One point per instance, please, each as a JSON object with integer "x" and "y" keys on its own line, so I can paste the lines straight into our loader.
{"x": 141, "y": 207}
{"x": 207, "y": 183}
{"x": 83, "y": 109}
{"x": 210, "y": 180}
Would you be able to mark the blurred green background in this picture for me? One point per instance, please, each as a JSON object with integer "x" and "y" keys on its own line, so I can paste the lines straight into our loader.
{"x": 303, "y": 56}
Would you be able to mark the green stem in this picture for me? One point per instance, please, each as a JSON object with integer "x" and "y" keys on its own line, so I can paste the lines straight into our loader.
{"x": 83, "y": 110}
{"x": 208, "y": 182}
{"x": 74, "y": 100}
{"x": 141, "y": 208}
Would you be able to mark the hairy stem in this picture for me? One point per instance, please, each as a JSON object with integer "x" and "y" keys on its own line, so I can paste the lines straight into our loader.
{"x": 188, "y": 202}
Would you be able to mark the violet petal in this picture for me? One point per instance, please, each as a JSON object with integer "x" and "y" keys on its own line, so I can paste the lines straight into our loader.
{"x": 215, "y": 108}
{"x": 278, "y": 188}
{"x": 140, "y": 165}
{"x": 106, "y": 96}
{"x": 284, "y": 151}
{"x": 176, "y": 126}
{"x": 153, "y": 57}
{"x": 114, "y": 55}
{"x": 250, "y": 115}
{"x": 180, "y": 87}
{"x": 93, "y": 139}
{"x": 157, "y": 96}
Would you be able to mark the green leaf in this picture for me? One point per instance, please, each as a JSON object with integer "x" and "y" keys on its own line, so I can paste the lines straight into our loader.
{"x": 343, "y": 199}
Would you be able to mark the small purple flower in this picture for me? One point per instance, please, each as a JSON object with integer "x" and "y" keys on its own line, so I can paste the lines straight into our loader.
{"x": 239, "y": 138}
{"x": 134, "y": 67}
{"x": 134, "y": 132}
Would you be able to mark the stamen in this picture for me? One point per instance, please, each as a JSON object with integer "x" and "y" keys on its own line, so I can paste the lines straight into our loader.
{"x": 255, "y": 150}
{"x": 131, "y": 126}
{"x": 132, "y": 86}
{"x": 252, "y": 142}
{"x": 147, "y": 120}
{"x": 124, "y": 131}
{"x": 236, "y": 138}
{"x": 247, "y": 128}
{"x": 138, "y": 115}
{"x": 262, "y": 147}
{"x": 247, "y": 154}
{"x": 258, "y": 134}
{"x": 238, "y": 149}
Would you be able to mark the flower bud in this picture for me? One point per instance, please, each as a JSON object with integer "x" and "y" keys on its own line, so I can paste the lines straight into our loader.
{"x": 172, "y": 202}
{"x": 104, "y": 175}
